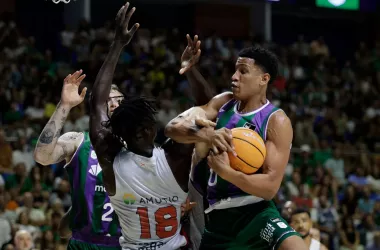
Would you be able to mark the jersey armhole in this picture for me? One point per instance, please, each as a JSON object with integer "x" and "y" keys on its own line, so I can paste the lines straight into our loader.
{"x": 266, "y": 122}
{"x": 76, "y": 152}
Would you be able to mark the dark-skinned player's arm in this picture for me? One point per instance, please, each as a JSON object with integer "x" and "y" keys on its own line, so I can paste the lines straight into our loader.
{"x": 278, "y": 145}
{"x": 200, "y": 89}
{"x": 195, "y": 125}
{"x": 105, "y": 144}
{"x": 51, "y": 146}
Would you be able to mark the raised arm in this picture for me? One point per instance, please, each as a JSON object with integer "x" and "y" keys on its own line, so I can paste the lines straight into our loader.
{"x": 103, "y": 82}
{"x": 106, "y": 146}
{"x": 200, "y": 89}
{"x": 51, "y": 147}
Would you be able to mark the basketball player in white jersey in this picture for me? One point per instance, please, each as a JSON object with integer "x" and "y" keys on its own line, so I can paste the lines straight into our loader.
{"x": 146, "y": 185}
{"x": 300, "y": 220}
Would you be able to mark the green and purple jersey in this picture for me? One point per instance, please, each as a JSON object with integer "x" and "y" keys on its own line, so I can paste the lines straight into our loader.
{"x": 93, "y": 219}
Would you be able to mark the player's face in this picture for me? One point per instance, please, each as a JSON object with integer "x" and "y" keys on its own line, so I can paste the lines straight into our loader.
{"x": 114, "y": 101}
{"x": 301, "y": 223}
{"x": 144, "y": 140}
{"x": 248, "y": 79}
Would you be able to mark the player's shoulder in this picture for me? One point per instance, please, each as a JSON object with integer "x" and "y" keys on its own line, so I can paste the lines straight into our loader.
{"x": 223, "y": 97}
{"x": 219, "y": 100}
{"x": 279, "y": 126}
{"x": 279, "y": 119}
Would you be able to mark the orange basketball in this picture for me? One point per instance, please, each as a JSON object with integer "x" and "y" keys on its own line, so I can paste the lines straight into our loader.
{"x": 250, "y": 150}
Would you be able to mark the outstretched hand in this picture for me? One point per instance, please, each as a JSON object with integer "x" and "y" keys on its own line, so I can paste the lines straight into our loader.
{"x": 70, "y": 92}
{"x": 191, "y": 55}
{"x": 122, "y": 33}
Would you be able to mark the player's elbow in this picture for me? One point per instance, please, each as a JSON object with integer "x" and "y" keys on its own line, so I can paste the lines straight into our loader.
{"x": 41, "y": 158}
{"x": 169, "y": 130}
{"x": 272, "y": 189}
{"x": 269, "y": 194}
{"x": 176, "y": 130}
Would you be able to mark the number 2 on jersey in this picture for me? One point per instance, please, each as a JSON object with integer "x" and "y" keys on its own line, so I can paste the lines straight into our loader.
{"x": 107, "y": 213}
{"x": 165, "y": 217}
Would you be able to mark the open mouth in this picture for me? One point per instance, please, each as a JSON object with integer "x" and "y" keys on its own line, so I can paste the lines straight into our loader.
{"x": 234, "y": 85}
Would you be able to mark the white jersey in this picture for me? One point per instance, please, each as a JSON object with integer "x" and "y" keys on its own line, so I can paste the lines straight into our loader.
{"x": 148, "y": 202}
{"x": 315, "y": 245}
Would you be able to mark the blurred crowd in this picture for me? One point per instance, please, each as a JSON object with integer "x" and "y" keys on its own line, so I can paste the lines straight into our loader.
{"x": 334, "y": 169}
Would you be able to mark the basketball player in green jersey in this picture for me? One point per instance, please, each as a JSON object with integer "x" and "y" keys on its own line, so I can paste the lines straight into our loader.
{"x": 91, "y": 219}
{"x": 241, "y": 213}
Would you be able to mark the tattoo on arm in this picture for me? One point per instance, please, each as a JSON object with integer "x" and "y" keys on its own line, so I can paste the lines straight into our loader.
{"x": 46, "y": 148}
{"x": 47, "y": 134}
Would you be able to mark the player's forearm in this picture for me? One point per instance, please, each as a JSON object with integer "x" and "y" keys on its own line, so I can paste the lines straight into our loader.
{"x": 49, "y": 136}
{"x": 103, "y": 82}
{"x": 260, "y": 185}
{"x": 185, "y": 131}
{"x": 201, "y": 90}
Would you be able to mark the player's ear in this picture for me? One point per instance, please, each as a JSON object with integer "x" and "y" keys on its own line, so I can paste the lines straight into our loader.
{"x": 265, "y": 79}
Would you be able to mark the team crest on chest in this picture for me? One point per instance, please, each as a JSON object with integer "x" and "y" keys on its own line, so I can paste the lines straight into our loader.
{"x": 249, "y": 125}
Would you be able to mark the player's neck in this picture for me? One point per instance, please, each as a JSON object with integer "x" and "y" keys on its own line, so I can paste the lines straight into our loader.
{"x": 307, "y": 241}
{"x": 252, "y": 104}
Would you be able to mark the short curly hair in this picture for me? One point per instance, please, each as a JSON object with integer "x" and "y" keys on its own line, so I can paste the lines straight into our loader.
{"x": 264, "y": 58}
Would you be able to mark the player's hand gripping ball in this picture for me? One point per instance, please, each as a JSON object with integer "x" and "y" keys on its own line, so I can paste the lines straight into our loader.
{"x": 250, "y": 150}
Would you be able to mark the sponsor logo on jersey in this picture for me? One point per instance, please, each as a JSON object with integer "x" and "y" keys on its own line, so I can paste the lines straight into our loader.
{"x": 267, "y": 233}
{"x": 249, "y": 125}
{"x": 151, "y": 200}
{"x": 275, "y": 220}
{"x": 95, "y": 170}
{"x": 129, "y": 199}
{"x": 148, "y": 246}
{"x": 93, "y": 155}
{"x": 282, "y": 225}
{"x": 99, "y": 188}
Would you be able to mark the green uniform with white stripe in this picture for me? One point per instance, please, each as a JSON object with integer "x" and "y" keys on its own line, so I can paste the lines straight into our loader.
{"x": 237, "y": 220}
{"x": 93, "y": 222}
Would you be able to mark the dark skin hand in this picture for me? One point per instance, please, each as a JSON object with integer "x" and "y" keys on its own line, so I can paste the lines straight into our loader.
{"x": 179, "y": 155}
{"x": 105, "y": 144}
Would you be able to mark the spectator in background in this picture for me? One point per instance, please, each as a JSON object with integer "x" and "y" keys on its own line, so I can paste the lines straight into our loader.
{"x": 328, "y": 221}
{"x": 349, "y": 202}
{"x": 335, "y": 166}
{"x": 301, "y": 222}
{"x": 63, "y": 194}
{"x": 366, "y": 203}
{"x": 5, "y": 154}
{"x": 22, "y": 153}
{"x": 376, "y": 242}
{"x": 349, "y": 236}
{"x": 35, "y": 215}
{"x": 20, "y": 180}
{"x": 23, "y": 240}
{"x": 5, "y": 226}
{"x": 24, "y": 223}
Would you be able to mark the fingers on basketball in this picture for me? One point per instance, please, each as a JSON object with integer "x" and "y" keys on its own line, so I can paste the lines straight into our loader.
{"x": 250, "y": 149}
